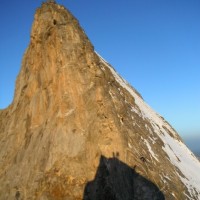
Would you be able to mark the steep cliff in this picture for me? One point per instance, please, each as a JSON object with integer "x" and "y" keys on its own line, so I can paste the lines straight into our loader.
{"x": 77, "y": 130}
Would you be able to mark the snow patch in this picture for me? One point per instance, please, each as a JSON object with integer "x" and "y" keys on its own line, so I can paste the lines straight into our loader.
{"x": 150, "y": 150}
{"x": 185, "y": 161}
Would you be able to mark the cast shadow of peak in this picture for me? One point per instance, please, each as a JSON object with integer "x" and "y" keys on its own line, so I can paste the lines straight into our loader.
{"x": 115, "y": 180}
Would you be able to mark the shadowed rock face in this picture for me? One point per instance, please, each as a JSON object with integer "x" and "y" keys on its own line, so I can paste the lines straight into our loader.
{"x": 115, "y": 180}
{"x": 70, "y": 112}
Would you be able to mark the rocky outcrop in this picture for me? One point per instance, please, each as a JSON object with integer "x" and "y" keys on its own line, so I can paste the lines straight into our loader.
{"x": 76, "y": 130}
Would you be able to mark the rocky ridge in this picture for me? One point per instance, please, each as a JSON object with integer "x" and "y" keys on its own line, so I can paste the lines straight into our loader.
{"x": 77, "y": 130}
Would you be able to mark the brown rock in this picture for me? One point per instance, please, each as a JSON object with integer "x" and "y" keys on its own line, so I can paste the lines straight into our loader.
{"x": 75, "y": 130}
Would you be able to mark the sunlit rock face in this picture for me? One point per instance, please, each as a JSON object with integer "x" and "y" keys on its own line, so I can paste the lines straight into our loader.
{"x": 77, "y": 130}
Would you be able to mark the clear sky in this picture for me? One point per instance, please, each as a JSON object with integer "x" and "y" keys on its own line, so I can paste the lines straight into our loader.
{"x": 153, "y": 44}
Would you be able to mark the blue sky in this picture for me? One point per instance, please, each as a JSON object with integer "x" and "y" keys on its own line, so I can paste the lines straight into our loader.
{"x": 153, "y": 44}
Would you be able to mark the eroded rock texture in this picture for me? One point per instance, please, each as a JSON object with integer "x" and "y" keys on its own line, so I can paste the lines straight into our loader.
{"x": 76, "y": 130}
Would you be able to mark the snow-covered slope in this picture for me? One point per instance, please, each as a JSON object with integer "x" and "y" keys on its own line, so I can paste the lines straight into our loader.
{"x": 179, "y": 155}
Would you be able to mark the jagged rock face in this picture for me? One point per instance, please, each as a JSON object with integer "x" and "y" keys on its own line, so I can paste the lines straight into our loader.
{"x": 76, "y": 130}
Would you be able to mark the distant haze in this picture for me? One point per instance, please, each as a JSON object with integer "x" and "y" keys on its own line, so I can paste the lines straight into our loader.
{"x": 193, "y": 143}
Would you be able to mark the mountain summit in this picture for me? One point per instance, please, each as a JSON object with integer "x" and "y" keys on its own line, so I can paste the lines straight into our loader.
{"x": 77, "y": 130}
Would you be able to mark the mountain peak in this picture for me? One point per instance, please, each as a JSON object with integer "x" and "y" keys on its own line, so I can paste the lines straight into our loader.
{"x": 58, "y": 46}
{"x": 77, "y": 130}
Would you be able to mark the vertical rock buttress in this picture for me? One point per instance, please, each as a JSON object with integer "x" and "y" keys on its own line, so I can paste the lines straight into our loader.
{"x": 50, "y": 133}
{"x": 73, "y": 131}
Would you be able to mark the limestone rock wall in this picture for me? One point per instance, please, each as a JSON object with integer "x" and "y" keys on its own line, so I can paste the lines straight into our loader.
{"x": 72, "y": 127}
